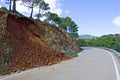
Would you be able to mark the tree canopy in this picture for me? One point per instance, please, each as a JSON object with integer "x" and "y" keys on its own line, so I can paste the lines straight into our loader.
{"x": 42, "y": 7}
{"x": 40, "y": 4}
{"x": 65, "y": 23}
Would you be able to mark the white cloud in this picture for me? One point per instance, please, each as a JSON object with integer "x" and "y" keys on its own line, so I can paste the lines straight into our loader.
{"x": 25, "y": 10}
{"x": 22, "y": 9}
{"x": 116, "y": 21}
{"x": 55, "y": 6}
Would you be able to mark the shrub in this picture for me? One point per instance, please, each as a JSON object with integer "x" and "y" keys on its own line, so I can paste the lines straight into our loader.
{"x": 72, "y": 53}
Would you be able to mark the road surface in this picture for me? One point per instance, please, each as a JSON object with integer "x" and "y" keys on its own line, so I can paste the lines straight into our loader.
{"x": 92, "y": 64}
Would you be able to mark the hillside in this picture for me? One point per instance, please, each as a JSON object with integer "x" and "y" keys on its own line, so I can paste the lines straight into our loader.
{"x": 86, "y": 36}
{"x": 25, "y": 44}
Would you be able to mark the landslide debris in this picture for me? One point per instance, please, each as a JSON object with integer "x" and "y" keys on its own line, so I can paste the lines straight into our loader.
{"x": 25, "y": 43}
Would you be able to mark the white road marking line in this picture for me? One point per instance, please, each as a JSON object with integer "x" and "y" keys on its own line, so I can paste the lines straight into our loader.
{"x": 18, "y": 74}
{"x": 115, "y": 65}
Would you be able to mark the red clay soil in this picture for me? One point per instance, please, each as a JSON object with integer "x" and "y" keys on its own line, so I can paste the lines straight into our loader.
{"x": 29, "y": 45}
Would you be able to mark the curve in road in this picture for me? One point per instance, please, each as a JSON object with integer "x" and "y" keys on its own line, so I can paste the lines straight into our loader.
{"x": 91, "y": 64}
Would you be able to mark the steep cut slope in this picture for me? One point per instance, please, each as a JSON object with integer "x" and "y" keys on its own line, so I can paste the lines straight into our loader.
{"x": 26, "y": 44}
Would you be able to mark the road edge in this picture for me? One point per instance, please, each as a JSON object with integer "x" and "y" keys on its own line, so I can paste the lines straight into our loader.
{"x": 115, "y": 66}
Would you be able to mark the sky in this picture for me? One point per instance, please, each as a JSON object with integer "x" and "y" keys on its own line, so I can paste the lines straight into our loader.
{"x": 94, "y": 17}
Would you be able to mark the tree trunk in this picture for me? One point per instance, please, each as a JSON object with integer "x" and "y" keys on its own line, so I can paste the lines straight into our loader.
{"x": 32, "y": 9}
{"x": 14, "y": 5}
{"x": 10, "y": 5}
{"x": 39, "y": 12}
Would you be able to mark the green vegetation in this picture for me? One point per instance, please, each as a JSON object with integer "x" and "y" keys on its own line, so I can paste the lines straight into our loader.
{"x": 65, "y": 23}
{"x": 108, "y": 41}
{"x": 40, "y": 4}
{"x": 4, "y": 8}
{"x": 72, "y": 53}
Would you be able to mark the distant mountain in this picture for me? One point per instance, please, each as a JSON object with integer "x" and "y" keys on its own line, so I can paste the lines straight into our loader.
{"x": 87, "y": 36}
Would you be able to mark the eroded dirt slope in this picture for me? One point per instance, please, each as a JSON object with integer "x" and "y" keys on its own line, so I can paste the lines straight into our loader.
{"x": 26, "y": 44}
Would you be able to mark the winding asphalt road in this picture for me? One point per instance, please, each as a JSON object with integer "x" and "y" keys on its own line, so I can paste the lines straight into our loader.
{"x": 92, "y": 64}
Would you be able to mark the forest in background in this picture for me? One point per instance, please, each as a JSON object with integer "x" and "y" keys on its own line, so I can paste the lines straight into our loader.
{"x": 107, "y": 41}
